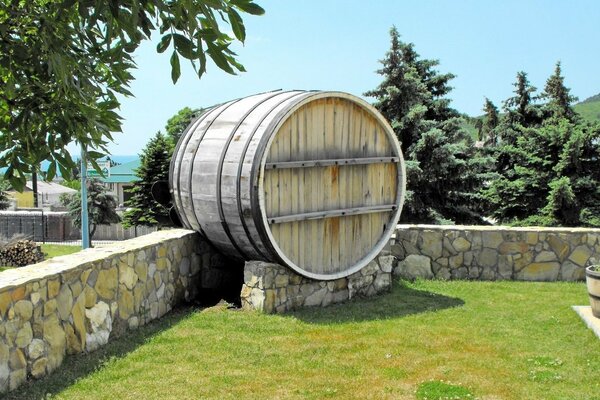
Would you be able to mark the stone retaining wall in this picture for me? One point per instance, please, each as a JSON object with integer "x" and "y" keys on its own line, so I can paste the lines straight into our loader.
{"x": 495, "y": 253}
{"x": 270, "y": 287}
{"x": 76, "y": 303}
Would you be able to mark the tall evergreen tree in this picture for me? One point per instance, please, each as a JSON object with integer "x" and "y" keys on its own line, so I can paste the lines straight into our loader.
{"x": 490, "y": 122}
{"x": 558, "y": 96}
{"x": 520, "y": 108}
{"x": 443, "y": 167}
{"x": 154, "y": 166}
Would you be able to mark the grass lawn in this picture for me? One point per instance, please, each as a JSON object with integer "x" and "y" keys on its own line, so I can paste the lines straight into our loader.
{"x": 429, "y": 339}
{"x": 54, "y": 250}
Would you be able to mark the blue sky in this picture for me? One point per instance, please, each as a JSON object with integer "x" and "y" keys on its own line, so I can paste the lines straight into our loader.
{"x": 336, "y": 45}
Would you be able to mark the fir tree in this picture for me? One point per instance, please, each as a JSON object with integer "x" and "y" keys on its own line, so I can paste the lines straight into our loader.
{"x": 101, "y": 207}
{"x": 443, "y": 167}
{"x": 558, "y": 96}
{"x": 520, "y": 109}
{"x": 154, "y": 166}
{"x": 490, "y": 122}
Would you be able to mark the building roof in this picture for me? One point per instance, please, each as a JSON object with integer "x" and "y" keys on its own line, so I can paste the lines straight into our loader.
{"x": 123, "y": 173}
{"x": 50, "y": 188}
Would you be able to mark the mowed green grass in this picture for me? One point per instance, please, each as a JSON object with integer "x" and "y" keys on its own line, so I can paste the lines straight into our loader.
{"x": 55, "y": 250}
{"x": 429, "y": 339}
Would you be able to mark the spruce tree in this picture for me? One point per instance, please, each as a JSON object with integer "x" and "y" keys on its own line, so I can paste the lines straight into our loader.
{"x": 443, "y": 167}
{"x": 521, "y": 110}
{"x": 154, "y": 166}
{"x": 558, "y": 96}
{"x": 491, "y": 119}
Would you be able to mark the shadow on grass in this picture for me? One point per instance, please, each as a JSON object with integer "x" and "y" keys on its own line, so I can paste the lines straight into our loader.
{"x": 78, "y": 366}
{"x": 402, "y": 301}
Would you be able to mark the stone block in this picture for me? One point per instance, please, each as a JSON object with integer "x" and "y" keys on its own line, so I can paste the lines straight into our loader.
{"x": 55, "y": 337}
{"x": 491, "y": 239}
{"x": 386, "y": 263}
{"x": 127, "y": 276}
{"x": 106, "y": 285}
{"x": 513, "y": 248}
{"x": 580, "y": 255}
{"x": 414, "y": 266}
{"x": 100, "y": 326}
{"x": 572, "y": 272}
{"x": 488, "y": 258}
{"x": 430, "y": 243}
{"x": 24, "y": 335}
{"x": 559, "y": 246}
{"x": 546, "y": 256}
{"x": 546, "y": 271}
{"x": 23, "y": 309}
{"x": 461, "y": 244}
{"x": 35, "y": 350}
{"x": 53, "y": 288}
{"x": 64, "y": 302}
{"x": 316, "y": 298}
{"x": 38, "y": 368}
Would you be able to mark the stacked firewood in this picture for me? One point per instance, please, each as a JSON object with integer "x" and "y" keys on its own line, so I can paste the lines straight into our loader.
{"x": 18, "y": 252}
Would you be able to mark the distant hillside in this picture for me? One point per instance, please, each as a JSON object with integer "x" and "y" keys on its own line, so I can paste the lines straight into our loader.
{"x": 589, "y": 108}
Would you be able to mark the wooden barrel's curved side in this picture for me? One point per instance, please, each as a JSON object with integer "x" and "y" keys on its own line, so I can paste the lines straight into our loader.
{"x": 340, "y": 165}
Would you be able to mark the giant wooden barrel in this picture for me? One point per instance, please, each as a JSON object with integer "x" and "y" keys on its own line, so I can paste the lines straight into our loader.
{"x": 312, "y": 180}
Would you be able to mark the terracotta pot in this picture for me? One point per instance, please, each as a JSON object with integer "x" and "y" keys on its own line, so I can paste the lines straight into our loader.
{"x": 592, "y": 279}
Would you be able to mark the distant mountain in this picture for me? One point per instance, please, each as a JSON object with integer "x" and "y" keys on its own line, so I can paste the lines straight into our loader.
{"x": 589, "y": 108}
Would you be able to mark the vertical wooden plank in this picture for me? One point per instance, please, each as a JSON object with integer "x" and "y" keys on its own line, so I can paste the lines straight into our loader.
{"x": 309, "y": 235}
{"x": 357, "y": 178}
{"x": 293, "y": 189}
{"x": 300, "y": 148}
{"x": 317, "y": 200}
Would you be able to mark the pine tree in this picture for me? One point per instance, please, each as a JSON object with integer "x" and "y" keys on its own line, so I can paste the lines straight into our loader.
{"x": 558, "y": 96}
{"x": 154, "y": 166}
{"x": 101, "y": 207}
{"x": 444, "y": 169}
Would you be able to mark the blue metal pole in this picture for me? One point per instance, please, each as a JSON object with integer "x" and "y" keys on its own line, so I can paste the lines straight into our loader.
{"x": 85, "y": 227}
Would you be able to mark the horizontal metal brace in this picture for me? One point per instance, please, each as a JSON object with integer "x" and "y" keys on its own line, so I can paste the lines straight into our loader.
{"x": 329, "y": 162}
{"x": 332, "y": 213}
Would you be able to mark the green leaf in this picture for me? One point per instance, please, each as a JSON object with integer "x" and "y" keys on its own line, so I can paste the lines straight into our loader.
{"x": 94, "y": 154}
{"x": 220, "y": 60}
{"x": 249, "y": 7}
{"x": 237, "y": 24}
{"x": 164, "y": 43}
{"x": 175, "y": 68}
{"x": 184, "y": 46}
{"x": 51, "y": 171}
